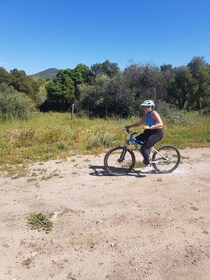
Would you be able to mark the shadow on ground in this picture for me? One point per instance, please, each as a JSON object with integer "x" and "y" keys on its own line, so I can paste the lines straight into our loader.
{"x": 101, "y": 171}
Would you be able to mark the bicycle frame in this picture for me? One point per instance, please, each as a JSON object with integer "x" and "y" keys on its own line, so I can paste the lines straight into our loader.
{"x": 136, "y": 144}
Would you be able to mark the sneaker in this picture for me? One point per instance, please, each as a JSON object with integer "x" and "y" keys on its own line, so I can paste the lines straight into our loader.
{"x": 146, "y": 169}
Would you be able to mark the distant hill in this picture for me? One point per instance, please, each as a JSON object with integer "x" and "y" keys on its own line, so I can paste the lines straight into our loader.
{"x": 48, "y": 73}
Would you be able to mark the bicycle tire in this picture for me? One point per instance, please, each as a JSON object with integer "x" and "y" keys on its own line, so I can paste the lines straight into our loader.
{"x": 119, "y": 160}
{"x": 166, "y": 159}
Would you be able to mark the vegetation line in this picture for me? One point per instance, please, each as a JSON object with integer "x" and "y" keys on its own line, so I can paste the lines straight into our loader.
{"x": 54, "y": 135}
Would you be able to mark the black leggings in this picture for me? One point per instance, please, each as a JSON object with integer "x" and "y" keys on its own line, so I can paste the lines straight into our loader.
{"x": 149, "y": 137}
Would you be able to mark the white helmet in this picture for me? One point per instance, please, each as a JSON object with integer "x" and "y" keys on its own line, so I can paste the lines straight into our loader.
{"x": 148, "y": 103}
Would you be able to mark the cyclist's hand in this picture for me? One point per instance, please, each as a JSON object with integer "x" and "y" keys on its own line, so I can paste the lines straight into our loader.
{"x": 146, "y": 127}
{"x": 127, "y": 129}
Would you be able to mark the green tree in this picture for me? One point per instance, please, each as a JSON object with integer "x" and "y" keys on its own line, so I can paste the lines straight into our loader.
{"x": 23, "y": 83}
{"x": 4, "y": 75}
{"x": 145, "y": 81}
{"x": 93, "y": 97}
{"x": 167, "y": 77}
{"x": 108, "y": 68}
{"x": 121, "y": 100}
{"x": 182, "y": 88}
{"x": 201, "y": 73}
{"x": 61, "y": 89}
{"x": 107, "y": 97}
{"x": 84, "y": 70}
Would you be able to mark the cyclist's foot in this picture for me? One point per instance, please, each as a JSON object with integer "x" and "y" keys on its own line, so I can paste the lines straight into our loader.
{"x": 146, "y": 169}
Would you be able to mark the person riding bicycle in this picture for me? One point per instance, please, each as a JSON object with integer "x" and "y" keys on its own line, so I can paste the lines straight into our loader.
{"x": 152, "y": 131}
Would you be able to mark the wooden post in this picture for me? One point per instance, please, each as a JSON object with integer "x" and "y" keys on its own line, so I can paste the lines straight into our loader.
{"x": 72, "y": 111}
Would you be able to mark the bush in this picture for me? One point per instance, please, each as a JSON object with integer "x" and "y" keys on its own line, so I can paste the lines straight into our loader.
{"x": 171, "y": 114}
{"x": 98, "y": 141}
{"x": 14, "y": 104}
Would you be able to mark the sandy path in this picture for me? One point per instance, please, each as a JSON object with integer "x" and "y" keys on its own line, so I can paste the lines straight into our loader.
{"x": 152, "y": 227}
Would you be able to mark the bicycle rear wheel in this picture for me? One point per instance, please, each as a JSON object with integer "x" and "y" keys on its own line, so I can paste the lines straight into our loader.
{"x": 119, "y": 160}
{"x": 166, "y": 159}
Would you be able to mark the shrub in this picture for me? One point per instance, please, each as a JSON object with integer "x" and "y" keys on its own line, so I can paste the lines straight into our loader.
{"x": 14, "y": 104}
{"x": 98, "y": 141}
{"x": 39, "y": 221}
{"x": 171, "y": 114}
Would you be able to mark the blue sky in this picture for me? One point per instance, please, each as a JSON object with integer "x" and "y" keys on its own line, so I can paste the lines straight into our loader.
{"x": 40, "y": 34}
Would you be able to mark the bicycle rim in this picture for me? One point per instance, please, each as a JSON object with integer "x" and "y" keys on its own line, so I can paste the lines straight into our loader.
{"x": 119, "y": 161}
{"x": 166, "y": 159}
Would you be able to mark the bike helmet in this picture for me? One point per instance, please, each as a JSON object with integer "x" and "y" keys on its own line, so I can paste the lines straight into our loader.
{"x": 148, "y": 103}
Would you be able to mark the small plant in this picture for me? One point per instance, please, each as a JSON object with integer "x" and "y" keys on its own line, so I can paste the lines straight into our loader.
{"x": 39, "y": 221}
{"x": 27, "y": 263}
{"x": 61, "y": 145}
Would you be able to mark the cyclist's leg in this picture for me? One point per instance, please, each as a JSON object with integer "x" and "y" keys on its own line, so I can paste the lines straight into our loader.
{"x": 142, "y": 137}
{"x": 151, "y": 141}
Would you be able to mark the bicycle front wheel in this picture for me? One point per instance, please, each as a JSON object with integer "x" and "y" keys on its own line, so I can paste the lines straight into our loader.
{"x": 119, "y": 160}
{"x": 166, "y": 159}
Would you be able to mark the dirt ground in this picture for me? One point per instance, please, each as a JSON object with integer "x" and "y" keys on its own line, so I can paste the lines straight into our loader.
{"x": 151, "y": 226}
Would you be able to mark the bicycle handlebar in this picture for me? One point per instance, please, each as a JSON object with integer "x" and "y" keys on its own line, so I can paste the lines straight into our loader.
{"x": 127, "y": 129}
{"x": 130, "y": 132}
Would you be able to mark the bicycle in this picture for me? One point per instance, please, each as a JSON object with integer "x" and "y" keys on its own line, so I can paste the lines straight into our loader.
{"x": 120, "y": 160}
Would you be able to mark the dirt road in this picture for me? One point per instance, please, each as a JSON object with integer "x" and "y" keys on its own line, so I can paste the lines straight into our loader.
{"x": 153, "y": 226}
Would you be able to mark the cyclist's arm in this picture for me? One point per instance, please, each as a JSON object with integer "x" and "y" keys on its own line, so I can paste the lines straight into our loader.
{"x": 138, "y": 123}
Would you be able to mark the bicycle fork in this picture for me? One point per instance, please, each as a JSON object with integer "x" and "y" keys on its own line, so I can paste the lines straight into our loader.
{"x": 122, "y": 156}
